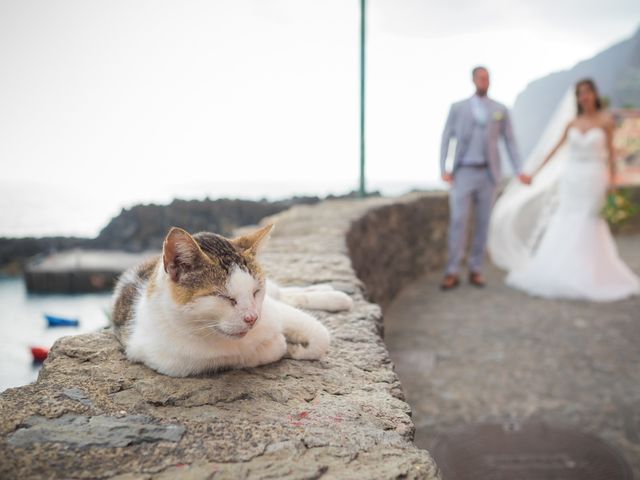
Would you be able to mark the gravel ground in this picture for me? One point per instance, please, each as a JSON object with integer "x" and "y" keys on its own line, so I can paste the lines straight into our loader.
{"x": 483, "y": 355}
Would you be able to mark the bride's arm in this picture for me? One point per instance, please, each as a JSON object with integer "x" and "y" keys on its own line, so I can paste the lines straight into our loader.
{"x": 609, "y": 126}
{"x": 553, "y": 152}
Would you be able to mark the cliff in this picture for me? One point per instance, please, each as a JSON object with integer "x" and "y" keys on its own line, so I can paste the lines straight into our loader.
{"x": 143, "y": 227}
{"x": 616, "y": 70}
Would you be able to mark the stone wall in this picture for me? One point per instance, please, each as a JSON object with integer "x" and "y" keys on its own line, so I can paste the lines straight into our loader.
{"x": 392, "y": 245}
{"x": 93, "y": 414}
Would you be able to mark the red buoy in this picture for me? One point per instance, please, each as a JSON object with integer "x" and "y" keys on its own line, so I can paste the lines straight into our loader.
{"x": 39, "y": 353}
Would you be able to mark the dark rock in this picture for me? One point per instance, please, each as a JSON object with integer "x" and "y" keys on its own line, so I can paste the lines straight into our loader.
{"x": 144, "y": 227}
{"x": 78, "y": 395}
{"x": 79, "y": 431}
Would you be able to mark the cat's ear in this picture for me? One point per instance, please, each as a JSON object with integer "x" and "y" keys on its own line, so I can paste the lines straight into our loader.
{"x": 180, "y": 253}
{"x": 253, "y": 242}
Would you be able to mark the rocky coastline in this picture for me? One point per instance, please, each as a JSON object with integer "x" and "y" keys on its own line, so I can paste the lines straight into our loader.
{"x": 143, "y": 227}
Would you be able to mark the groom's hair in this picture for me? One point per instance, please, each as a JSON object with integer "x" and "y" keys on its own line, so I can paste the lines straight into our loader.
{"x": 477, "y": 69}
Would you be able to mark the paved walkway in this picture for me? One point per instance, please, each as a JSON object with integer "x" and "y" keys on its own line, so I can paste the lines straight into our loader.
{"x": 472, "y": 356}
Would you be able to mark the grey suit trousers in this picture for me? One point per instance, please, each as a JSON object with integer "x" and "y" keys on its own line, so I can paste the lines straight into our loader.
{"x": 472, "y": 187}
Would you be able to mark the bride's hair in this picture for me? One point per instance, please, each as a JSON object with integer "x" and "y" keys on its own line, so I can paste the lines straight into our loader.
{"x": 592, "y": 85}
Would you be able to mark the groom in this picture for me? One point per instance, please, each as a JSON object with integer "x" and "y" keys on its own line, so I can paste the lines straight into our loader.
{"x": 476, "y": 124}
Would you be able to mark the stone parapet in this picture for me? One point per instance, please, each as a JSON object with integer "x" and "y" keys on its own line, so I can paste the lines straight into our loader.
{"x": 93, "y": 414}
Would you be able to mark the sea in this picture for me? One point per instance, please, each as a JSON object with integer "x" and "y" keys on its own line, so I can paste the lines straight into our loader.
{"x": 23, "y": 325}
{"x": 41, "y": 209}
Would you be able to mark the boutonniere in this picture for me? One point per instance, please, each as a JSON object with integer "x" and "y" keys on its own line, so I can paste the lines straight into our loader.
{"x": 498, "y": 115}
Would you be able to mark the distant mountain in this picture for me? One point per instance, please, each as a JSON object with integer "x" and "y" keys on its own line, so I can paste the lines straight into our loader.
{"x": 616, "y": 70}
{"x": 143, "y": 227}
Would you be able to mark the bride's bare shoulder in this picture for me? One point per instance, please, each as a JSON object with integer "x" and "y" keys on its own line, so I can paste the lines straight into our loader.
{"x": 572, "y": 123}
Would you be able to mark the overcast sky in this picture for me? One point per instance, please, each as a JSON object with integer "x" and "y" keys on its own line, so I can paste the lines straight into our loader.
{"x": 154, "y": 92}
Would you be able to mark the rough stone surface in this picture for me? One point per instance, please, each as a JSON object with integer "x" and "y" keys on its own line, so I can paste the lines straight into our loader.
{"x": 341, "y": 417}
{"x": 394, "y": 244}
{"x": 81, "y": 431}
{"x": 473, "y": 356}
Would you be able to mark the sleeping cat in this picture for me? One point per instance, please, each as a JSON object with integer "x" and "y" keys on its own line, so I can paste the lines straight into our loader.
{"x": 205, "y": 305}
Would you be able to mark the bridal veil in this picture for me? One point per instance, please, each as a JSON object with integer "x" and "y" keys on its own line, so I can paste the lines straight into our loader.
{"x": 522, "y": 212}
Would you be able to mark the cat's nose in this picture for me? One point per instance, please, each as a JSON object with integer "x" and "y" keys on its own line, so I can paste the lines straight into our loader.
{"x": 250, "y": 319}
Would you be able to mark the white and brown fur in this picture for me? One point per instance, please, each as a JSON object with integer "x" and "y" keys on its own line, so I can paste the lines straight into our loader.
{"x": 205, "y": 305}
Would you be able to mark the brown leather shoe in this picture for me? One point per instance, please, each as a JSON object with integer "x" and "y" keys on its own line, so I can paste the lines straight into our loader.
{"x": 449, "y": 282}
{"x": 477, "y": 280}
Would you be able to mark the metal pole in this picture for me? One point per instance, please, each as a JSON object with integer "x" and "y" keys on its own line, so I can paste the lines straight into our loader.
{"x": 363, "y": 4}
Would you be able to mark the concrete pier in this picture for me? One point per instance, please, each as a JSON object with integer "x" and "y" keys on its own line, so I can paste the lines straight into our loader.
{"x": 80, "y": 271}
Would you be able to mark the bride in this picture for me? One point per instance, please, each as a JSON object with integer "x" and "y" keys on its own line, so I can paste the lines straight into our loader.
{"x": 550, "y": 236}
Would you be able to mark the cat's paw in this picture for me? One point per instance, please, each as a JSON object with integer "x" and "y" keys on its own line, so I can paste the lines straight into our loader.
{"x": 309, "y": 343}
{"x": 300, "y": 351}
{"x": 337, "y": 301}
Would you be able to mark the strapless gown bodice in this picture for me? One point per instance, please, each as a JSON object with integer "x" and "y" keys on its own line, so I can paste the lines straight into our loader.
{"x": 583, "y": 186}
{"x": 587, "y": 146}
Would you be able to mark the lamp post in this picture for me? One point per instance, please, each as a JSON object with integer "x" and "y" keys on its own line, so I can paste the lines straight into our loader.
{"x": 363, "y": 4}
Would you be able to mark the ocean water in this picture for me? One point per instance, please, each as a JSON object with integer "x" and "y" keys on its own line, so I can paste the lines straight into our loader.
{"x": 22, "y": 325}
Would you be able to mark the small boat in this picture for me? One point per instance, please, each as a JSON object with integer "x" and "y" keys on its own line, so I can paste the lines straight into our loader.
{"x": 53, "y": 321}
{"x": 39, "y": 354}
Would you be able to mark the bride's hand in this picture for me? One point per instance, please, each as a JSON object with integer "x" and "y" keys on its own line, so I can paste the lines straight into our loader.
{"x": 526, "y": 179}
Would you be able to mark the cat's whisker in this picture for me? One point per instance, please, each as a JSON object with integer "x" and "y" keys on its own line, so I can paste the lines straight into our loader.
{"x": 196, "y": 329}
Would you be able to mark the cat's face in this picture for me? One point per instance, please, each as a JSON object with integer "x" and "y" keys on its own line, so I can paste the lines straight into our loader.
{"x": 215, "y": 284}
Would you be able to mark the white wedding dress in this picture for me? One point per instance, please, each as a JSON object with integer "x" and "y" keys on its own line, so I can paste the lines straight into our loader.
{"x": 576, "y": 256}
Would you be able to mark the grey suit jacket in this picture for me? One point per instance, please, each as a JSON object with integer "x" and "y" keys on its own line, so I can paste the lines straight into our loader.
{"x": 460, "y": 125}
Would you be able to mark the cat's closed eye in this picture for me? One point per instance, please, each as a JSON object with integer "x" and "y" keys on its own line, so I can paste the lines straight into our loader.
{"x": 229, "y": 299}
{"x": 256, "y": 292}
